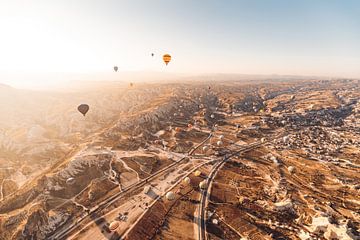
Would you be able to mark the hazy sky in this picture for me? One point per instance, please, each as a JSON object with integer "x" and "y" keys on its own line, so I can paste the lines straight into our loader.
{"x": 305, "y": 37}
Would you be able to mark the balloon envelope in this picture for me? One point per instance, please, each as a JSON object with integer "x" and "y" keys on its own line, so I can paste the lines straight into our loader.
{"x": 114, "y": 225}
{"x": 83, "y": 108}
{"x": 205, "y": 148}
{"x": 187, "y": 180}
{"x": 170, "y": 196}
{"x": 203, "y": 184}
{"x": 116, "y": 68}
{"x": 167, "y": 58}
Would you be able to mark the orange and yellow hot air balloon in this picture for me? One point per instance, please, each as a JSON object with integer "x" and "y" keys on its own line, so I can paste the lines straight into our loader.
{"x": 167, "y": 58}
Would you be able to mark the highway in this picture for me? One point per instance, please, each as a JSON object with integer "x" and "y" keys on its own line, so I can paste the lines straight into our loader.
{"x": 88, "y": 219}
{"x": 64, "y": 233}
{"x": 201, "y": 218}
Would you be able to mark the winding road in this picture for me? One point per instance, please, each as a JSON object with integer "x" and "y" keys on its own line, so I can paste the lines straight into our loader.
{"x": 204, "y": 198}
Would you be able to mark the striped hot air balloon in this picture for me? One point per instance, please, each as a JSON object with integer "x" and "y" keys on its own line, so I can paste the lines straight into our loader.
{"x": 114, "y": 225}
{"x": 167, "y": 58}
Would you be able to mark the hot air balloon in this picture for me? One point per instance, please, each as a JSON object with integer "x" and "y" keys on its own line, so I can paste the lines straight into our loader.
{"x": 203, "y": 184}
{"x": 152, "y": 54}
{"x": 83, "y": 108}
{"x": 209, "y": 87}
{"x": 167, "y": 58}
{"x": 116, "y": 68}
{"x": 131, "y": 84}
{"x": 187, "y": 180}
{"x": 205, "y": 148}
{"x": 170, "y": 196}
{"x": 114, "y": 225}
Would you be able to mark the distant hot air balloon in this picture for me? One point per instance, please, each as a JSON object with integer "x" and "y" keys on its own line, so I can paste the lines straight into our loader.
{"x": 114, "y": 225}
{"x": 131, "y": 84}
{"x": 187, "y": 180}
{"x": 167, "y": 58}
{"x": 83, "y": 108}
{"x": 152, "y": 54}
{"x": 205, "y": 148}
{"x": 197, "y": 173}
{"x": 116, "y": 68}
{"x": 170, "y": 196}
{"x": 209, "y": 87}
{"x": 203, "y": 184}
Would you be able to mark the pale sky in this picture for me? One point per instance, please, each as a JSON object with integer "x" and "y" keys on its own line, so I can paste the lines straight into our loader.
{"x": 303, "y": 37}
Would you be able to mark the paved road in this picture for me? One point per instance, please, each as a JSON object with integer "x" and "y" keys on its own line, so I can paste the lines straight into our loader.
{"x": 201, "y": 218}
{"x": 63, "y": 233}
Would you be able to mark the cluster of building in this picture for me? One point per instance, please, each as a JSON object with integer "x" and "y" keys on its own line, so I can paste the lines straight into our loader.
{"x": 316, "y": 140}
{"x": 324, "y": 117}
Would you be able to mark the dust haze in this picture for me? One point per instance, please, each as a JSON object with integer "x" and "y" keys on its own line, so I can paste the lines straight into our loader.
{"x": 191, "y": 157}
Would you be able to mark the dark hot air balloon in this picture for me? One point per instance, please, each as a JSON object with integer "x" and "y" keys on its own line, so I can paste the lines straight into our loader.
{"x": 83, "y": 108}
{"x": 116, "y": 68}
{"x": 152, "y": 54}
